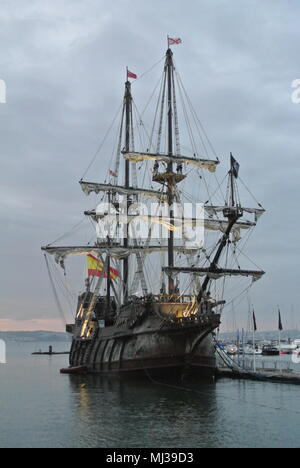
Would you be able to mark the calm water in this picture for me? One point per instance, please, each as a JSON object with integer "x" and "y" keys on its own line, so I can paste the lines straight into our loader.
{"x": 41, "y": 408}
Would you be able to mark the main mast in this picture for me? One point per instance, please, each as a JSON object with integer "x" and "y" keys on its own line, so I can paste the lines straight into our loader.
{"x": 169, "y": 64}
{"x": 128, "y": 104}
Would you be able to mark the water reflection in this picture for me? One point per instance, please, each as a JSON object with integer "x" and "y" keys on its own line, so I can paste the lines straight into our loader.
{"x": 39, "y": 407}
{"x": 124, "y": 413}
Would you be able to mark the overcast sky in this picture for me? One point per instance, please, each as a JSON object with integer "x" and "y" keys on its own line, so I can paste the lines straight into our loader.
{"x": 63, "y": 63}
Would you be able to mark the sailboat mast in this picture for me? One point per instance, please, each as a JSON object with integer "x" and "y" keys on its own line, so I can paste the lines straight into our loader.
{"x": 128, "y": 101}
{"x": 169, "y": 64}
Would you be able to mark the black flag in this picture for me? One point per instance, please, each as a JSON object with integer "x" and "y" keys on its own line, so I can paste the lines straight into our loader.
{"x": 235, "y": 167}
{"x": 254, "y": 322}
{"x": 280, "y": 327}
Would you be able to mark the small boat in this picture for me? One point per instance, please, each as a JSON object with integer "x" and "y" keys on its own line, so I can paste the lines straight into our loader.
{"x": 47, "y": 353}
{"x": 270, "y": 351}
{"x": 248, "y": 351}
{"x": 231, "y": 349}
{"x": 287, "y": 348}
{"x": 296, "y": 344}
{"x": 296, "y": 353}
{"x": 50, "y": 352}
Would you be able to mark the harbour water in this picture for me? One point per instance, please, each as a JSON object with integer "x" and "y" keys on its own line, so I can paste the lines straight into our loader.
{"x": 41, "y": 408}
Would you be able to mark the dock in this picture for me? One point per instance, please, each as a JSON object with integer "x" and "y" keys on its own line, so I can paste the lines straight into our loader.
{"x": 46, "y": 353}
{"x": 287, "y": 377}
{"x": 50, "y": 352}
{"x": 268, "y": 372}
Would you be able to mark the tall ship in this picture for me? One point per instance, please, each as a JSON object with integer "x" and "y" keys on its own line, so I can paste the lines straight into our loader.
{"x": 167, "y": 246}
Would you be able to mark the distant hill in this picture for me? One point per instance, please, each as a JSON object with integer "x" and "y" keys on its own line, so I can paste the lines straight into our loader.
{"x": 48, "y": 336}
{"x": 32, "y": 336}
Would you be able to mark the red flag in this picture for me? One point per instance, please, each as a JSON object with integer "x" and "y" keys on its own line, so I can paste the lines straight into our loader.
{"x": 131, "y": 75}
{"x": 174, "y": 41}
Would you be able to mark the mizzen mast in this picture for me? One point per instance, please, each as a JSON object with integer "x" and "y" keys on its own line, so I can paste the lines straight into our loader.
{"x": 233, "y": 213}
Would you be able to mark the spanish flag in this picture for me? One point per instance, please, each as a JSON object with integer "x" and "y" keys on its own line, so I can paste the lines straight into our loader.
{"x": 95, "y": 268}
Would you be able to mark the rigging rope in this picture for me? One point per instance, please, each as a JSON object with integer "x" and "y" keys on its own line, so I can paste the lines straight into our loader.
{"x": 196, "y": 118}
{"x": 250, "y": 193}
{"x": 61, "y": 313}
{"x": 151, "y": 68}
{"x": 102, "y": 142}
{"x": 74, "y": 228}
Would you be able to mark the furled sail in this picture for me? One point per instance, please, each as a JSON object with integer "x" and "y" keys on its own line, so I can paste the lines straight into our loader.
{"x": 211, "y": 210}
{"x": 200, "y": 163}
{"x": 90, "y": 187}
{"x": 172, "y": 224}
{"x": 118, "y": 252}
{"x": 216, "y": 273}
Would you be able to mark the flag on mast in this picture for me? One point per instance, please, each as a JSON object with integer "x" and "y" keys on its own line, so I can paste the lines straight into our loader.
{"x": 131, "y": 75}
{"x": 254, "y": 322}
{"x": 235, "y": 167}
{"x": 280, "y": 326}
{"x": 172, "y": 41}
{"x": 95, "y": 268}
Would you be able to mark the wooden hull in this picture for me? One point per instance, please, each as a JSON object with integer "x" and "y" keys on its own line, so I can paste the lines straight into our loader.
{"x": 149, "y": 349}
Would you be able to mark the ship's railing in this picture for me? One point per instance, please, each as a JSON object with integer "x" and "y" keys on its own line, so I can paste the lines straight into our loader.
{"x": 204, "y": 320}
{"x": 175, "y": 298}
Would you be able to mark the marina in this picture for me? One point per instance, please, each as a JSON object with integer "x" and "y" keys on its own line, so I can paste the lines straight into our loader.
{"x": 261, "y": 348}
{"x": 258, "y": 368}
